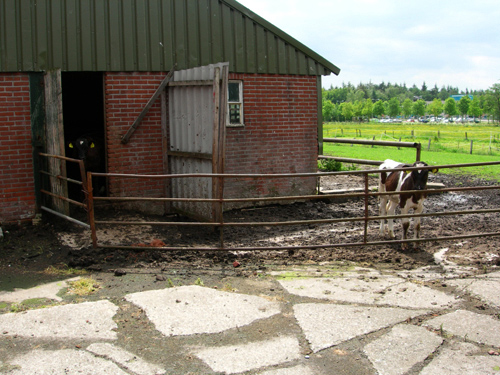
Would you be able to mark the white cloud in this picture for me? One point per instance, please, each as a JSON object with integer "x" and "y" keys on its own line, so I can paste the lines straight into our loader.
{"x": 452, "y": 43}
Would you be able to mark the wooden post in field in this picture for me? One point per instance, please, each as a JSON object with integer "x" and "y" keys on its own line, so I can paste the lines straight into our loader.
{"x": 471, "y": 142}
{"x": 429, "y": 145}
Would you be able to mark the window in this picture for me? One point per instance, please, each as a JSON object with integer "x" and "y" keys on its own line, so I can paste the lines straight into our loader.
{"x": 235, "y": 103}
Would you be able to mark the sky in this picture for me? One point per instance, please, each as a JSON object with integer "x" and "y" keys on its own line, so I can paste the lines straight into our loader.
{"x": 439, "y": 42}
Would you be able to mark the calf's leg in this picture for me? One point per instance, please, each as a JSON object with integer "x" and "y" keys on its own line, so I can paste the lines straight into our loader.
{"x": 391, "y": 210}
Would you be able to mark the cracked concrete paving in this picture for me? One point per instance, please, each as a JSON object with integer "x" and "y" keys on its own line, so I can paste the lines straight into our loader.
{"x": 361, "y": 321}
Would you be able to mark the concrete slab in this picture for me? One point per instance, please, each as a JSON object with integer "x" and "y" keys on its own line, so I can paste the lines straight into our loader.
{"x": 297, "y": 370}
{"x": 125, "y": 359}
{"x": 42, "y": 291}
{"x": 411, "y": 295}
{"x": 484, "y": 289}
{"x": 326, "y": 325}
{"x": 462, "y": 358}
{"x": 239, "y": 358}
{"x": 88, "y": 320}
{"x": 188, "y": 310}
{"x": 403, "y": 347}
{"x": 63, "y": 362}
{"x": 351, "y": 287}
{"x": 482, "y": 329}
{"x": 379, "y": 290}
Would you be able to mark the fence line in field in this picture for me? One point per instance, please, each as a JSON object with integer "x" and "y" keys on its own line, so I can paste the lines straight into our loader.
{"x": 464, "y": 145}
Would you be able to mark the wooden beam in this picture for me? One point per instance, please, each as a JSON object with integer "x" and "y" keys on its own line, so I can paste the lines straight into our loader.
{"x": 55, "y": 138}
{"x": 193, "y": 155}
{"x": 191, "y": 83}
{"x": 150, "y": 103}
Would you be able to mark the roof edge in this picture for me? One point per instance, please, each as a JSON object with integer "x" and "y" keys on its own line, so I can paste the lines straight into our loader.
{"x": 280, "y": 33}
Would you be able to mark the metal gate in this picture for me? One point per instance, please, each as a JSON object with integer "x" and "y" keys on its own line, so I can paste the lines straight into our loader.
{"x": 196, "y": 131}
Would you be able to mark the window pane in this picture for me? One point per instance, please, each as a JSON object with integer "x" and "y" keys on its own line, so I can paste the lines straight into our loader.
{"x": 234, "y": 114}
{"x": 234, "y": 92}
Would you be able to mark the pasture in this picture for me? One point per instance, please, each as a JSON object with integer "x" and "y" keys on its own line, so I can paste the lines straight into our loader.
{"x": 441, "y": 143}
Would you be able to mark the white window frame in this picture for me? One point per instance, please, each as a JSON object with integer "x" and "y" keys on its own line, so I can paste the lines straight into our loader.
{"x": 240, "y": 103}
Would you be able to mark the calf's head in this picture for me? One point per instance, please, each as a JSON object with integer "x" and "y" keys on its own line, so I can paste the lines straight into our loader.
{"x": 420, "y": 176}
{"x": 81, "y": 147}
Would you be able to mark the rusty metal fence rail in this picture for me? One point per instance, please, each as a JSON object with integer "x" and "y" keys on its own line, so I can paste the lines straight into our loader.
{"x": 365, "y": 217}
{"x": 62, "y": 179}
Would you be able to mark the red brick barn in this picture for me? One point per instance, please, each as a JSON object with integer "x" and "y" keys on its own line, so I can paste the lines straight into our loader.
{"x": 76, "y": 67}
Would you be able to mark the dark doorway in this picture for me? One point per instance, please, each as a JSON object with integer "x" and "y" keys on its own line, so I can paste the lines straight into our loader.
{"x": 83, "y": 116}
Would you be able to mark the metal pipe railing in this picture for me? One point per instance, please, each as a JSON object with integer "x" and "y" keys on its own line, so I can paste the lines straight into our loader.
{"x": 365, "y": 193}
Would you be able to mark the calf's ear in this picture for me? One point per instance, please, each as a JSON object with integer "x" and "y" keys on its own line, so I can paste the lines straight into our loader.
{"x": 70, "y": 145}
{"x": 92, "y": 145}
{"x": 435, "y": 170}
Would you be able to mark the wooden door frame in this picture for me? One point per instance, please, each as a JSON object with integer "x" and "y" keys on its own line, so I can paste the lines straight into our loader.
{"x": 55, "y": 138}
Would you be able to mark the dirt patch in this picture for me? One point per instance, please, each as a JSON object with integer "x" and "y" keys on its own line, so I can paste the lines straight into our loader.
{"x": 36, "y": 247}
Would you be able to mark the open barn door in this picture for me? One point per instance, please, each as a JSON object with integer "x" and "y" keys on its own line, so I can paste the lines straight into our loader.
{"x": 196, "y": 137}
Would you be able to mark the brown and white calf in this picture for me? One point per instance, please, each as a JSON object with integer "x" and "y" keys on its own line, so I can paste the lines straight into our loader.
{"x": 399, "y": 182}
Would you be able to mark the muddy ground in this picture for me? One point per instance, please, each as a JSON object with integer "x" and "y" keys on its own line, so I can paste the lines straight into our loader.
{"x": 27, "y": 252}
{"x": 59, "y": 243}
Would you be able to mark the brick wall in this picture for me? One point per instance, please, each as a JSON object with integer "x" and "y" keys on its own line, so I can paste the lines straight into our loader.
{"x": 17, "y": 195}
{"x": 280, "y": 135}
{"x": 126, "y": 94}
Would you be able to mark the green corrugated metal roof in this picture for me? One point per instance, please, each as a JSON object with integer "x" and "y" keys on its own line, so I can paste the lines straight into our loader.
{"x": 147, "y": 35}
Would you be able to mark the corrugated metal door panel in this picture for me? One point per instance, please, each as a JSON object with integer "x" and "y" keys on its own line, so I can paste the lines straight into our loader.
{"x": 191, "y": 119}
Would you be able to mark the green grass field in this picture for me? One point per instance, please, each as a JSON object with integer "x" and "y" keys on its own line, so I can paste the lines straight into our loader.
{"x": 443, "y": 148}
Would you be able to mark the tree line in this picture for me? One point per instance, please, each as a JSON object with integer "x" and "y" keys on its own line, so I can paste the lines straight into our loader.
{"x": 366, "y": 101}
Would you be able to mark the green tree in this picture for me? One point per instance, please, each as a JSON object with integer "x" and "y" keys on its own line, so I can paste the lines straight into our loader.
{"x": 407, "y": 107}
{"x": 347, "y": 110}
{"x": 358, "y": 109}
{"x": 394, "y": 107}
{"x": 419, "y": 108}
{"x": 463, "y": 105}
{"x": 436, "y": 107}
{"x": 475, "y": 109}
{"x": 355, "y": 95}
{"x": 450, "y": 107}
{"x": 368, "y": 108}
{"x": 328, "y": 110}
{"x": 378, "y": 108}
{"x": 492, "y": 102}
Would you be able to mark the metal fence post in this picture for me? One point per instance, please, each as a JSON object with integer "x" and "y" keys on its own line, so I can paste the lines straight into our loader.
{"x": 90, "y": 209}
{"x": 365, "y": 239}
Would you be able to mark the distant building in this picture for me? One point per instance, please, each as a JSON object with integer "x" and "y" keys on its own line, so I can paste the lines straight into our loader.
{"x": 458, "y": 97}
